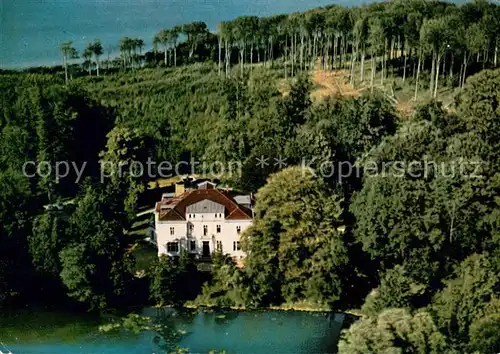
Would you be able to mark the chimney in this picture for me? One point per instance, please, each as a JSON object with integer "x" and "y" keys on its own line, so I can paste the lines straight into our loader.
{"x": 179, "y": 188}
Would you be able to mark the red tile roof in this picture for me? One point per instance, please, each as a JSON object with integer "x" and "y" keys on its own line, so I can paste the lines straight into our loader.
{"x": 174, "y": 209}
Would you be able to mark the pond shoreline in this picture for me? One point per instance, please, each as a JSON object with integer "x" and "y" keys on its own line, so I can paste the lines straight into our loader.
{"x": 200, "y": 330}
{"x": 284, "y": 307}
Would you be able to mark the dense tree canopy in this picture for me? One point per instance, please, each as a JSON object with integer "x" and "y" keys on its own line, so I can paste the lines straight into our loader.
{"x": 357, "y": 205}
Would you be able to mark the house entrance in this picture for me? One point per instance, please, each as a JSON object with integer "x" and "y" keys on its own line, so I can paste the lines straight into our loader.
{"x": 206, "y": 249}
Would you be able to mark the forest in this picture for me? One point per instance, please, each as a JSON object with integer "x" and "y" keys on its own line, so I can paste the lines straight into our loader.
{"x": 412, "y": 251}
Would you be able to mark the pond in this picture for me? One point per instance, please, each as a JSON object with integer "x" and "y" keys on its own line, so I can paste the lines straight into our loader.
{"x": 30, "y": 332}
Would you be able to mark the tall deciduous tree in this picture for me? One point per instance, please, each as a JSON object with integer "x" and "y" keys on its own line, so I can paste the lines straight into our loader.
{"x": 468, "y": 296}
{"x": 196, "y": 32}
{"x": 68, "y": 53}
{"x": 95, "y": 269}
{"x": 163, "y": 37}
{"x": 394, "y": 331}
{"x": 49, "y": 237}
{"x": 295, "y": 252}
{"x": 96, "y": 49}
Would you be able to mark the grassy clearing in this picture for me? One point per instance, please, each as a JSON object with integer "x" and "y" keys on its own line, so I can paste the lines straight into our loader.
{"x": 145, "y": 255}
{"x": 331, "y": 83}
{"x": 140, "y": 227}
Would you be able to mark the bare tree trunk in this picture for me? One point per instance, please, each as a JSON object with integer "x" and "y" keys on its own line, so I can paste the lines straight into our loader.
{"x": 286, "y": 53}
{"x": 431, "y": 83}
{"x": 65, "y": 60}
{"x": 384, "y": 63}
{"x": 165, "y": 56}
{"x": 301, "y": 52}
{"x": 465, "y": 69}
{"x": 387, "y": 58}
{"x": 220, "y": 55}
{"x": 374, "y": 65}
{"x": 362, "y": 67}
{"x": 496, "y": 53}
{"x": 97, "y": 65}
{"x": 353, "y": 63}
{"x": 292, "y": 53}
{"x": 404, "y": 68}
{"x": 175, "y": 55}
{"x": 313, "y": 53}
{"x": 438, "y": 60}
{"x": 460, "y": 76}
{"x": 346, "y": 45}
{"x": 242, "y": 60}
{"x": 296, "y": 65}
{"x": 271, "y": 52}
{"x": 308, "y": 53}
{"x": 335, "y": 51}
{"x": 444, "y": 65}
{"x": 341, "y": 52}
{"x": 451, "y": 65}
{"x": 392, "y": 49}
{"x": 418, "y": 75}
{"x": 331, "y": 55}
{"x": 325, "y": 54}
{"x": 265, "y": 55}
{"x": 284, "y": 62}
{"x": 251, "y": 57}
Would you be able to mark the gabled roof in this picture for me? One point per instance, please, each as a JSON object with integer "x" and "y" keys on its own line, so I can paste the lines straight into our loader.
{"x": 206, "y": 185}
{"x": 205, "y": 206}
{"x": 243, "y": 199}
{"x": 175, "y": 208}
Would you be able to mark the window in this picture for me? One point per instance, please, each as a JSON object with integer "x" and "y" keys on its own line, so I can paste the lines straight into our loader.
{"x": 219, "y": 246}
{"x": 172, "y": 247}
{"x": 191, "y": 227}
{"x": 190, "y": 216}
{"x": 236, "y": 246}
{"x": 218, "y": 229}
{"x": 192, "y": 245}
{"x": 172, "y": 230}
{"x": 238, "y": 229}
{"x": 220, "y": 215}
{"x": 205, "y": 230}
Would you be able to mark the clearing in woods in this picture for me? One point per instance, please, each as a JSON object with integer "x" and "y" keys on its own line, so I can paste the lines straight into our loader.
{"x": 332, "y": 83}
{"x": 335, "y": 83}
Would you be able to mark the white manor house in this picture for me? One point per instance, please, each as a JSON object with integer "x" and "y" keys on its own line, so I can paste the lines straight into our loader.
{"x": 201, "y": 220}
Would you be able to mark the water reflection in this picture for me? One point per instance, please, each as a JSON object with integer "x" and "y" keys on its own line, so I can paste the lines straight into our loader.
{"x": 170, "y": 327}
{"x": 166, "y": 330}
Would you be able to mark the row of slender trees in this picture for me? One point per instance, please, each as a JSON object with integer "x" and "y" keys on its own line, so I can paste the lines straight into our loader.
{"x": 397, "y": 37}
{"x": 405, "y": 34}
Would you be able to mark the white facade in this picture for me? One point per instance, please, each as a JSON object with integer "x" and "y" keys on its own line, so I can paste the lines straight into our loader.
{"x": 204, "y": 230}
